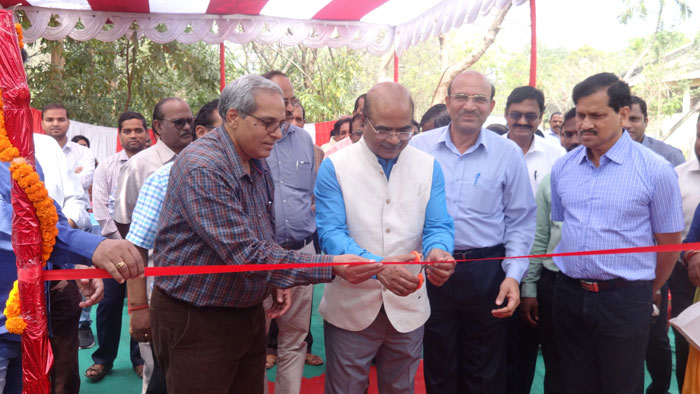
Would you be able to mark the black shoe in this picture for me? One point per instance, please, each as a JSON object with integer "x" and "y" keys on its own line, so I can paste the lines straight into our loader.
{"x": 85, "y": 338}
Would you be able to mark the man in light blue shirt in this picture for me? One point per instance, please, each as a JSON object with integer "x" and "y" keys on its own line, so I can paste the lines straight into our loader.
{"x": 489, "y": 197}
{"x": 610, "y": 193}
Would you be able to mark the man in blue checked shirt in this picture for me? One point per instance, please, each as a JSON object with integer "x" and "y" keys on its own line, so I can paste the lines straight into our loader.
{"x": 610, "y": 193}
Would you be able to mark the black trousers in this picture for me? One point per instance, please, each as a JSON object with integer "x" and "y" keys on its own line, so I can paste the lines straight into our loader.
{"x": 658, "y": 355}
{"x": 109, "y": 326}
{"x": 464, "y": 345}
{"x": 65, "y": 313}
{"x": 603, "y": 336}
{"x": 554, "y": 374}
{"x": 682, "y": 294}
{"x": 523, "y": 345}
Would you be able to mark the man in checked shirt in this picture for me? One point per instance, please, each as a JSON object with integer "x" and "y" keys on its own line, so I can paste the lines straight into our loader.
{"x": 132, "y": 136}
{"x": 209, "y": 330}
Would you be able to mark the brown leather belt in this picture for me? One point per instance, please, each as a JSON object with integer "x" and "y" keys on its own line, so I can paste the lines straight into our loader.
{"x": 595, "y": 286}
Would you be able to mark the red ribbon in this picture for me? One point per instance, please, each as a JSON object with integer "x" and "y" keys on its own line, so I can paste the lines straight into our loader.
{"x": 220, "y": 269}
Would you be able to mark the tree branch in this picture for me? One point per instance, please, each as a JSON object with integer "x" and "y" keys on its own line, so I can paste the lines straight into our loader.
{"x": 467, "y": 62}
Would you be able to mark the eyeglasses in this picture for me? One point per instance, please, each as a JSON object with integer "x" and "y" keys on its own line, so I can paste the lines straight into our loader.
{"x": 357, "y": 133}
{"x": 294, "y": 101}
{"x": 463, "y": 98}
{"x": 529, "y": 116}
{"x": 180, "y": 123}
{"x": 270, "y": 125}
{"x": 403, "y": 133}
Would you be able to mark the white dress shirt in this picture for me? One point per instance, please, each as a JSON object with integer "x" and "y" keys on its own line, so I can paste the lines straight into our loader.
{"x": 80, "y": 156}
{"x": 539, "y": 159}
{"x": 689, "y": 181}
{"x": 62, "y": 184}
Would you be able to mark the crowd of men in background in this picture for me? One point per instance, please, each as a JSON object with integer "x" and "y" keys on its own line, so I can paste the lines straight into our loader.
{"x": 241, "y": 182}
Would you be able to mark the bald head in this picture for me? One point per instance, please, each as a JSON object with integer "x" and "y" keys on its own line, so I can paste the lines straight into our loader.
{"x": 388, "y": 113}
{"x": 388, "y": 94}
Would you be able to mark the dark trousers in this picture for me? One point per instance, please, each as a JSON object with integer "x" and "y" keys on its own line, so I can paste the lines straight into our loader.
{"x": 602, "y": 336}
{"x": 208, "y": 350}
{"x": 682, "y": 294}
{"x": 65, "y": 313}
{"x": 109, "y": 326}
{"x": 658, "y": 355}
{"x": 464, "y": 345}
{"x": 522, "y": 348}
{"x": 554, "y": 374}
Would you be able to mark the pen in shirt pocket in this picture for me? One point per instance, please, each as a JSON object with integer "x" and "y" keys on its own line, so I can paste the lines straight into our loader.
{"x": 476, "y": 178}
{"x": 301, "y": 162}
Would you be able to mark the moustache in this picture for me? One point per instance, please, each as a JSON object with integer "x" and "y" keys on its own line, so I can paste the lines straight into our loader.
{"x": 589, "y": 131}
{"x": 471, "y": 113}
{"x": 522, "y": 126}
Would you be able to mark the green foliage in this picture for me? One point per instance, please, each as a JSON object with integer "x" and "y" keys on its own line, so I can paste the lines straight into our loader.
{"x": 90, "y": 78}
{"x": 326, "y": 81}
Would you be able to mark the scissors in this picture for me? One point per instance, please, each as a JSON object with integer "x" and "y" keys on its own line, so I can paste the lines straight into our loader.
{"x": 417, "y": 259}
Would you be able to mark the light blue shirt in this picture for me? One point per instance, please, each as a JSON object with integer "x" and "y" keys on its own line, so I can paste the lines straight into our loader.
{"x": 291, "y": 164}
{"x": 488, "y": 194}
{"x": 144, "y": 219}
{"x": 631, "y": 196}
{"x": 438, "y": 229}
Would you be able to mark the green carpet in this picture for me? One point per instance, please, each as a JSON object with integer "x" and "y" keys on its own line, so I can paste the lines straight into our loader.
{"x": 123, "y": 380}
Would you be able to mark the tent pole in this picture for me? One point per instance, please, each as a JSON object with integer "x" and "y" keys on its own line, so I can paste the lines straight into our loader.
{"x": 222, "y": 65}
{"x": 396, "y": 68}
{"x": 533, "y": 44}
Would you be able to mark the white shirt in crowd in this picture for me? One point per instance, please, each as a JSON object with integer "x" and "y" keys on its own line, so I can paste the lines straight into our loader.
{"x": 80, "y": 156}
{"x": 689, "y": 180}
{"x": 62, "y": 184}
{"x": 539, "y": 159}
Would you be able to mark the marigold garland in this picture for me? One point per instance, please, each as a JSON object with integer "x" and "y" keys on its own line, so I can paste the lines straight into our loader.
{"x": 28, "y": 179}
{"x": 20, "y": 36}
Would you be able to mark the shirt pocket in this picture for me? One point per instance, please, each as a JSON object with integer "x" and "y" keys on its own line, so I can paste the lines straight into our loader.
{"x": 484, "y": 197}
{"x": 412, "y": 211}
{"x": 297, "y": 174}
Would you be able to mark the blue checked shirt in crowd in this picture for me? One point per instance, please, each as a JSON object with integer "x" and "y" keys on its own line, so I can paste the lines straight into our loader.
{"x": 214, "y": 213}
{"x": 632, "y": 195}
{"x": 144, "y": 219}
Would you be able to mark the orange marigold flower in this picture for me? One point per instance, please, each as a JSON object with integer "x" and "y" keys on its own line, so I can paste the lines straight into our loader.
{"x": 15, "y": 325}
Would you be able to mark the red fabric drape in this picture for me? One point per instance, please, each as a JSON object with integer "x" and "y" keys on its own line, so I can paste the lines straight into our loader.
{"x": 26, "y": 237}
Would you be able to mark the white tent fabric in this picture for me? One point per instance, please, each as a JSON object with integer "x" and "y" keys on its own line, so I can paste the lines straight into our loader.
{"x": 103, "y": 140}
{"x": 376, "y": 32}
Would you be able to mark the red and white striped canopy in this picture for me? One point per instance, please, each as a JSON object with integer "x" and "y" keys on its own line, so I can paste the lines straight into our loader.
{"x": 375, "y": 25}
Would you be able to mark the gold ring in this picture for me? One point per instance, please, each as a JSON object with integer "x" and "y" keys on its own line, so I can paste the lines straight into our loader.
{"x": 120, "y": 265}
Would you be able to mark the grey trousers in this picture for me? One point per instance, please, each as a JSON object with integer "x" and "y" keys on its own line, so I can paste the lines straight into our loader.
{"x": 349, "y": 355}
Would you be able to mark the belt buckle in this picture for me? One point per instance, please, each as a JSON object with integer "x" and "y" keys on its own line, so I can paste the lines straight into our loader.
{"x": 590, "y": 286}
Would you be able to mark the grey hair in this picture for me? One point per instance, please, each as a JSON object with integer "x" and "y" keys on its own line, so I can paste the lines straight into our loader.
{"x": 240, "y": 94}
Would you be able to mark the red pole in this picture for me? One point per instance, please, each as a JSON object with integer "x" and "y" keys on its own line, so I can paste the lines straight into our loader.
{"x": 37, "y": 357}
{"x": 222, "y": 65}
{"x": 396, "y": 68}
{"x": 533, "y": 44}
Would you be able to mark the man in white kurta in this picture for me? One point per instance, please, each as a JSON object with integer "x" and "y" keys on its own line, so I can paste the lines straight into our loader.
{"x": 382, "y": 200}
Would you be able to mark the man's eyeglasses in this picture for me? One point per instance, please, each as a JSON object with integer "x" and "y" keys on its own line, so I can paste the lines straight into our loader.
{"x": 180, "y": 123}
{"x": 529, "y": 116}
{"x": 294, "y": 101}
{"x": 403, "y": 133}
{"x": 270, "y": 125}
{"x": 463, "y": 98}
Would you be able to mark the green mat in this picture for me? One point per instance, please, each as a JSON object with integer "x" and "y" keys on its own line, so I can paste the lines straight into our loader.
{"x": 123, "y": 380}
